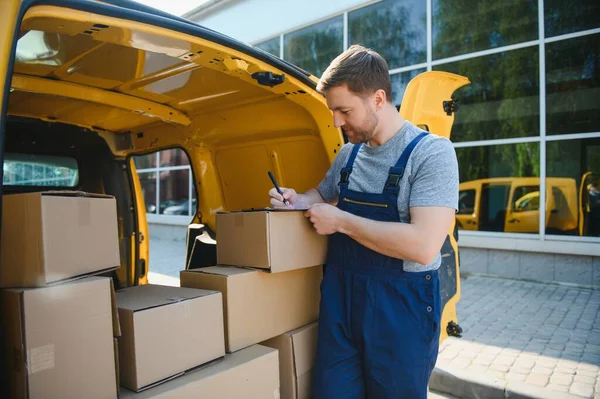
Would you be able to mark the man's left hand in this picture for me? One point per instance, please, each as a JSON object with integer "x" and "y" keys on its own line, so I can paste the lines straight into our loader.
{"x": 325, "y": 218}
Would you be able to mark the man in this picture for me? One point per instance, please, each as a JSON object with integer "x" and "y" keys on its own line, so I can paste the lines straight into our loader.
{"x": 396, "y": 188}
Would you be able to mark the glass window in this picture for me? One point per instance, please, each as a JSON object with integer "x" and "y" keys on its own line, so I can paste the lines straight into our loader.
{"x": 399, "y": 83}
{"x": 314, "y": 47}
{"x": 573, "y": 85}
{"x": 466, "y": 26}
{"x": 488, "y": 175}
{"x": 148, "y": 182}
{"x": 166, "y": 187}
{"x": 573, "y": 177}
{"x": 395, "y": 29}
{"x": 145, "y": 161}
{"x": 563, "y": 17}
{"x": 526, "y": 198}
{"x": 502, "y": 100}
{"x": 174, "y": 192}
{"x": 270, "y": 46}
{"x": 40, "y": 171}
{"x": 466, "y": 202}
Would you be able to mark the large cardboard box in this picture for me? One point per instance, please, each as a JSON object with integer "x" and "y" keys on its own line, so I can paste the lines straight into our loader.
{"x": 274, "y": 240}
{"x": 297, "y": 352}
{"x": 259, "y": 305}
{"x": 51, "y": 237}
{"x": 251, "y": 373}
{"x": 59, "y": 340}
{"x": 166, "y": 331}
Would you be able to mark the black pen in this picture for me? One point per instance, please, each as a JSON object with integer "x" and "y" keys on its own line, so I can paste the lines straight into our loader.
{"x": 285, "y": 201}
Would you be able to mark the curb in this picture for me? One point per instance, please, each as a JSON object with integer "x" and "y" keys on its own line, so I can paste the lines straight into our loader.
{"x": 465, "y": 385}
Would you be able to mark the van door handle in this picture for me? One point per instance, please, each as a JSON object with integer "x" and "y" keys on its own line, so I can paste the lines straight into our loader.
{"x": 514, "y": 221}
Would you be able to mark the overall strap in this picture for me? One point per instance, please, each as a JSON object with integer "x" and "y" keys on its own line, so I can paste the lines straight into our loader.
{"x": 392, "y": 184}
{"x": 346, "y": 170}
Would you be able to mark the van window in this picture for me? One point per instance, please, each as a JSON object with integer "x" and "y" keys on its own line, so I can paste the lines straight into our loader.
{"x": 466, "y": 202}
{"x": 526, "y": 198}
{"x": 167, "y": 185}
{"x": 39, "y": 171}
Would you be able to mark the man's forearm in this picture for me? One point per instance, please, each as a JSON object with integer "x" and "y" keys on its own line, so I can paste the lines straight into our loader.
{"x": 398, "y": 240}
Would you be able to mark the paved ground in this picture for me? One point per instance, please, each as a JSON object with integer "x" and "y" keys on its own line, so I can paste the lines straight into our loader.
{"x": 544, "y": 335}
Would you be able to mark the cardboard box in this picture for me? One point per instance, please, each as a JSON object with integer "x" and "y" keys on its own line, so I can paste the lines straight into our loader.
{"x": 274, "y": 240}
{"x": 59, "y": 340}
{"x": 166, "y": 331}
{"x": 297, "y": 352}
{"x": 258, "y": 305}
{"x": 52, "y": 237}
{"x": 251, "y": 373}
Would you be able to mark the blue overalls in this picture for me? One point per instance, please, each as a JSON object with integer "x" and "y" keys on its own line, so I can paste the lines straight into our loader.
{"x": 379, "y": 326}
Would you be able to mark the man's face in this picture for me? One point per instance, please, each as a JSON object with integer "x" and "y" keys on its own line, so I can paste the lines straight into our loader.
{"x": 354, "y": 114}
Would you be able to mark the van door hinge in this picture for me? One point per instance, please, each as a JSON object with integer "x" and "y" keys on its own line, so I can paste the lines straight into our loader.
{"x": 450, "y": 107}
{"x": 141, "y": 238}
{"x": 268, "y": 78}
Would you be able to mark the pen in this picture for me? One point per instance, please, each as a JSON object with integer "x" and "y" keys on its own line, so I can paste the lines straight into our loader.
{"x": 285, "y": 201}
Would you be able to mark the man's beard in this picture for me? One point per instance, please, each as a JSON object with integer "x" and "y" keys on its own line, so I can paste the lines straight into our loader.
{"x": 365, "y": 132}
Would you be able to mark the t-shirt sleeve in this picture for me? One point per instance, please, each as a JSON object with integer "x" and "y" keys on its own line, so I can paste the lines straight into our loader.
{"x": 329, "y": 188}
{"x": 436, "y": 178}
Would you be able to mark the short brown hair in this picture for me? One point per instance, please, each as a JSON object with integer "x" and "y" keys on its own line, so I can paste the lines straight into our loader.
{"x": 363, "y": 70}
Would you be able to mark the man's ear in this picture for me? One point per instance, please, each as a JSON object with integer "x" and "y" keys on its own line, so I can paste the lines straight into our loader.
{"x": 379, "y": 98}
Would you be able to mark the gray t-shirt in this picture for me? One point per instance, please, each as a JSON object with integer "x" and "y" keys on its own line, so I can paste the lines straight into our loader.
{"x": 430, "y": 177}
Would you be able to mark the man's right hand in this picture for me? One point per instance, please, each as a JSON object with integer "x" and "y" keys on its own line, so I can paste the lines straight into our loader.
{"x": 277, "y": 200}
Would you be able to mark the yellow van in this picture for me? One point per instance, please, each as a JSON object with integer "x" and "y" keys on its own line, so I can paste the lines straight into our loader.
{"x": 511, "y": 205}
{"x": 89, "y": 85}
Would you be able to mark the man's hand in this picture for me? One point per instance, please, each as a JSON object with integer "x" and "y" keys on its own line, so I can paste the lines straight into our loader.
{"x": 277, "y": 200}
{"x": 296, "y": 201}
{"x": 325, "y": 218}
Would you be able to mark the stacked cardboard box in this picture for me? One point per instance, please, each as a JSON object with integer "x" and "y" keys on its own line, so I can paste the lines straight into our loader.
{"x": 269, "y": 272}
{"x": 268, "y": 276}
{"x": 58, "y": 324}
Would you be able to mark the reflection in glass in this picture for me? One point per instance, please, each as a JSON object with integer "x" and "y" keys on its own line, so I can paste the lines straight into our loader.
{"x": 502, "y": 100}
{"x": 173, "y": 157}
{"x": 466, "y": 26}
{"x": 399, "y": 83}
{"x": 498, "y": 188}
{"x": 145, "y": 161}
{"x": 270, "y": 46}
{"x": 314, "y": 47}
{"x": 573, "y": 170}
{"x": 395, "y": 29}
{"x": 174, "y": 192}
{"x": 573, "y": 85}
{"x": 39, "y": 171}
{"x": 570, "y": 16}
{"x": 148, "y": 182}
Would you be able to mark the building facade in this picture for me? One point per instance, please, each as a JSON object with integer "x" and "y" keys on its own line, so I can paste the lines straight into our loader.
{"x": 527, "y": 134}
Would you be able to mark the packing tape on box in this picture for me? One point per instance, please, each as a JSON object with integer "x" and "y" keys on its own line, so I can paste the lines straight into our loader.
{"x": 84, "y": 208}
{"x": 40, "y": 359}
{"x": 182, "y": 305}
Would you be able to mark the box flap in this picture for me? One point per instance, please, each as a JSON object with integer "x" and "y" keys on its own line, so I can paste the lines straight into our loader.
{"x": 115, "y": 312}
{"x": 222, "y": 270}
{"x": 150, "y": 296}
{"x": 71, "y": 193}
{"x": 305, "y": 348}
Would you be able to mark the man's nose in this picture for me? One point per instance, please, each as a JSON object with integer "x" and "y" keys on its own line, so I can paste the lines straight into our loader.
{"x": 338, "y": 121}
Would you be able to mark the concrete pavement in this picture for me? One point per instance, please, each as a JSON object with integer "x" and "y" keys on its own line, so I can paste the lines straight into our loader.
{"x": 521, "y": 339}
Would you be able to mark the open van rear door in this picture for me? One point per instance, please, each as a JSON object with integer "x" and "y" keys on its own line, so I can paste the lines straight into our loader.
{"x": 428, "y": 103}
